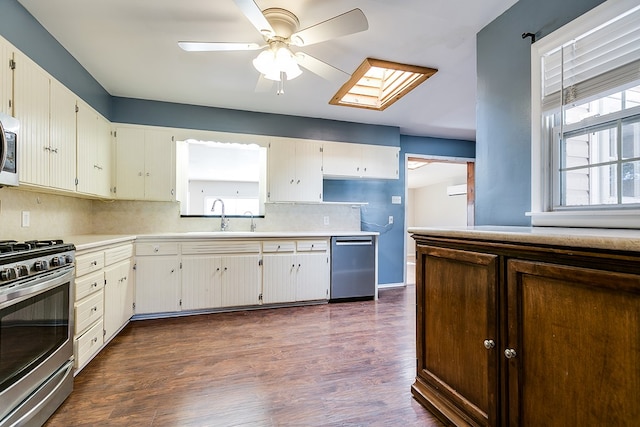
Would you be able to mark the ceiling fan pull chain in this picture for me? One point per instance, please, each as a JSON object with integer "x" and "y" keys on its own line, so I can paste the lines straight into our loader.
{"x": 281, "y": 84}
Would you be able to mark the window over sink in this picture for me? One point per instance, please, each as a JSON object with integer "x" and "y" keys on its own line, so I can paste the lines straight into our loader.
{"x": 234, "y": 172}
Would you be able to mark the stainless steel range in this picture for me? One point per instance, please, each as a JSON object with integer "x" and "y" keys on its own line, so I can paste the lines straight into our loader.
{"x": 36, "y": 329}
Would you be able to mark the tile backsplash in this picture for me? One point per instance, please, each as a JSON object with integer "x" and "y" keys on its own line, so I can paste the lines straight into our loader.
{"x": 54, "y": 216}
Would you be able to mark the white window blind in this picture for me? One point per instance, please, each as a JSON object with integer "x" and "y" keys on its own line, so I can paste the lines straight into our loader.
{"x": 602, "y": 59}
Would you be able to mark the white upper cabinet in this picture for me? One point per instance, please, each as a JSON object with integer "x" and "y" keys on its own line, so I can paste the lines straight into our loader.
{"x": 295, "y": 171}
{"x": 145, "y": 164}
{"x": 94, "y": 152}
{"x": 343, "y": 160}
{"x": 6, "y": 77}
{"x": 62, "y": 142}
{"x": 31, "y": 107}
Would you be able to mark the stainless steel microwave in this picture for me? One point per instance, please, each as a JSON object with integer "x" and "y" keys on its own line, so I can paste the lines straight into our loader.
{"x": 8, "y": 150}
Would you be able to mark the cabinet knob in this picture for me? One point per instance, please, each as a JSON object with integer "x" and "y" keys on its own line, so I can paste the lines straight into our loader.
{"x": 489, "y": 344}
{"x": 510, "y": 353}
{"x": 291, "y": 182}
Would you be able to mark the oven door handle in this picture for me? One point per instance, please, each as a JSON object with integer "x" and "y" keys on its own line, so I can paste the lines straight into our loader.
{"x": 60, "y": 376}
{"x": 29, "y": 287}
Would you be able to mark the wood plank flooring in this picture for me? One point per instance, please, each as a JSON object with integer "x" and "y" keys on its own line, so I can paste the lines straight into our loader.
{"x": 344, "y": 364}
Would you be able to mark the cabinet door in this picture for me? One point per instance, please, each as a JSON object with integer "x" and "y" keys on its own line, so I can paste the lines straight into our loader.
{"x": 118, "y": 297}
{"x": 456, "y": 312}
{"x": 279, "y": 278}
{"x": 130, "y": 153}
{"x": 341, "y": 159}
{"x": 159, "y": 164}
{"x": 62, "y": 153}
{"x": 282, "y": 171}
{"x": 241, "y": 280}
{"x": 308, "y": 180}
{"x": 31, "y": 107}
{"x": 380, "y": 162}
{"x": 87, "y": 164}
{"x": 576, "y": 335}
{"x": 103, "y": 157}
{"x": 201, "y": 278}
{"x": 312, "y": 277}
{"x": 157, "y": 284}
{"x": 6, "y": 77}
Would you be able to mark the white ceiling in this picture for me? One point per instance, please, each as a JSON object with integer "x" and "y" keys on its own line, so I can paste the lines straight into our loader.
{"x": 130, "y": 48}
{"x": 436, "y": 172}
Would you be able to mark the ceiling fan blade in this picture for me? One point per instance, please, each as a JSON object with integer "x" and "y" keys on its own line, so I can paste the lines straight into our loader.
{"x": 321, "y": 68}
{"x": 263, "y": 84}
{"x": 350, "y": 22}
{"x": 253, "y": 13}
{"x": 217, "y": 46}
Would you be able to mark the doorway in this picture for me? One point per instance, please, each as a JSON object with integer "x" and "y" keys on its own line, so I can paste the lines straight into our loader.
{"x": 439, "y": 192}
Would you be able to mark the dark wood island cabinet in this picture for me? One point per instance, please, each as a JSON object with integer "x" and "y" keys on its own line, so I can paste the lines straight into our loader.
{"x": 528, "y": 327}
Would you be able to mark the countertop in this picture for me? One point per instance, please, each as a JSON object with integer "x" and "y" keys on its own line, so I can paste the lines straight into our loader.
{"x": 596, "y": 238}
{"x": 90, "y": 241}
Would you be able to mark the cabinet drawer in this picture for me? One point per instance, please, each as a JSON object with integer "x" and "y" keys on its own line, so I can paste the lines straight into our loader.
{"x": 279, "y": 246}
{"x": 88, "y": 344}
{"x": 88, "y": 263}
{"x": 120, "y": 253}
{"x": 158, "y": 248}
{"x": 221, "y": 247}
{"x": 89, "y": 284}
{"x": 311, "y": 245}
{"x": 89, "y": 310}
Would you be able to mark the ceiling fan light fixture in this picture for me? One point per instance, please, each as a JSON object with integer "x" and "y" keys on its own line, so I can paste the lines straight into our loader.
{"x": 376, "y": 84}
{"x": 278, "y": 59}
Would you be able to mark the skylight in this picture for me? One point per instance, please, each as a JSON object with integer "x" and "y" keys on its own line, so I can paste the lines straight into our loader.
{"x": 377, "y": 84}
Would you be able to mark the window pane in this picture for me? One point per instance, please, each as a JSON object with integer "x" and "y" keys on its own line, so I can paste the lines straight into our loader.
{"x": 631, "y": 182}
{"x": 631, "y": 138}
{"x": 632, "y": 97}
{"x": 589, "y": 148}
{"x": 590, "y": 186}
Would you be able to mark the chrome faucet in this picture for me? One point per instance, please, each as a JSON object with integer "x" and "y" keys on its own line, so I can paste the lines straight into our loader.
{"x": 224, "y": 223}
{"x": 253, "y": 224}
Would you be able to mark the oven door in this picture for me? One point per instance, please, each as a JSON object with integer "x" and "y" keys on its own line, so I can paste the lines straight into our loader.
{"x": 36, "y": 347}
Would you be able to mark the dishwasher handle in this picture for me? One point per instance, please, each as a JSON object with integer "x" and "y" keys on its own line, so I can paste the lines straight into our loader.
{"x": 347, "y": 242}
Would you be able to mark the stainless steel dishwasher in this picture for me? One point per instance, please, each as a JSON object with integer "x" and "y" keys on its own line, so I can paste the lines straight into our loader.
{"x": 353, "y": 263}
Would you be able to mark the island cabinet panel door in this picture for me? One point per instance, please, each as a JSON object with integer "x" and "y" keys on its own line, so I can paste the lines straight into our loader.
{"x": 201, "y": 285}
{"x": 576, "y": 337}
{"x": 457, "y": 344}
{"x": 313, "y": 273}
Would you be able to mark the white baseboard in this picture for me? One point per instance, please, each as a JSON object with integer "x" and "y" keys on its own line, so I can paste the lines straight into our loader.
{"x": 391, "y": 285}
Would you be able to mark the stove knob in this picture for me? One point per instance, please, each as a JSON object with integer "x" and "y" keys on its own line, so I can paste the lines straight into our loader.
{"x": 68, "y": 259}
{"x": 55, "y": 262}
{"x": 8, "y": 274}
{"x": 41, "y": 265}
{"x": 23, "y": 270}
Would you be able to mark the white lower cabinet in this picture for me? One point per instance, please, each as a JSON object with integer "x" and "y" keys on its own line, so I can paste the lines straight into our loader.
{"x": 295, "y": 271}
{"x": 179, "y": 276}
{"x": 103, "y": 298}
{"x": 157, "y": 284}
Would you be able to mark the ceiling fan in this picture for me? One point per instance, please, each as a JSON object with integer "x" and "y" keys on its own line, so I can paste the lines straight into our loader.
{"x": 279, "y": 28}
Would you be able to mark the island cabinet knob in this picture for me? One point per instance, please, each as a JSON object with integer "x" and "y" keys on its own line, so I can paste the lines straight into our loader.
{"x": 510, "y": 353}
{"x": 489, "y": 344}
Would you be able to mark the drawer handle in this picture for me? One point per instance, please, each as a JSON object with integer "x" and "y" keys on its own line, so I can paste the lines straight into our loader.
{"x": 510, "y": 353}
{"x": 94, "y": 263}
{"x": 95, "y": 339}
{"x": 156, "y": 249}
{"x": 94, "y": 309}
{"x": 95, "y": 284}
{"x": 489, "y": 344}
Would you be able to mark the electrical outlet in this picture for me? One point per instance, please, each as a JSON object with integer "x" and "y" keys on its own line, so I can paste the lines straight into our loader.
{"x": 390, "y": 219}
{"x": 326, "y": 220}
{"x": 26, "y": 218}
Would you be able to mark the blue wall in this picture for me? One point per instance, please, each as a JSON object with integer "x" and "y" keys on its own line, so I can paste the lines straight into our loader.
{"x": 503, "y": 136}
{"x": 24, "y": 32}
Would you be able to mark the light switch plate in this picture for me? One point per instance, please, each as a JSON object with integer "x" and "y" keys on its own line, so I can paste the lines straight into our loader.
{"x": 396, "y": 200}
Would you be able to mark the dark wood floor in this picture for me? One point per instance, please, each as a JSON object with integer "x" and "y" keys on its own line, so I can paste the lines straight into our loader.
{"x": 346, "y": 364}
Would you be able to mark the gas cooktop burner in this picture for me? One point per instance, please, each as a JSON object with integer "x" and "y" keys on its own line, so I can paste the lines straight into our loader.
{"x": 15, "y": 246}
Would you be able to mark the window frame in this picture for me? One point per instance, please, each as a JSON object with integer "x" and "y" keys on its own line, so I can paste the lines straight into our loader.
{"x": 543, "y": 162}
